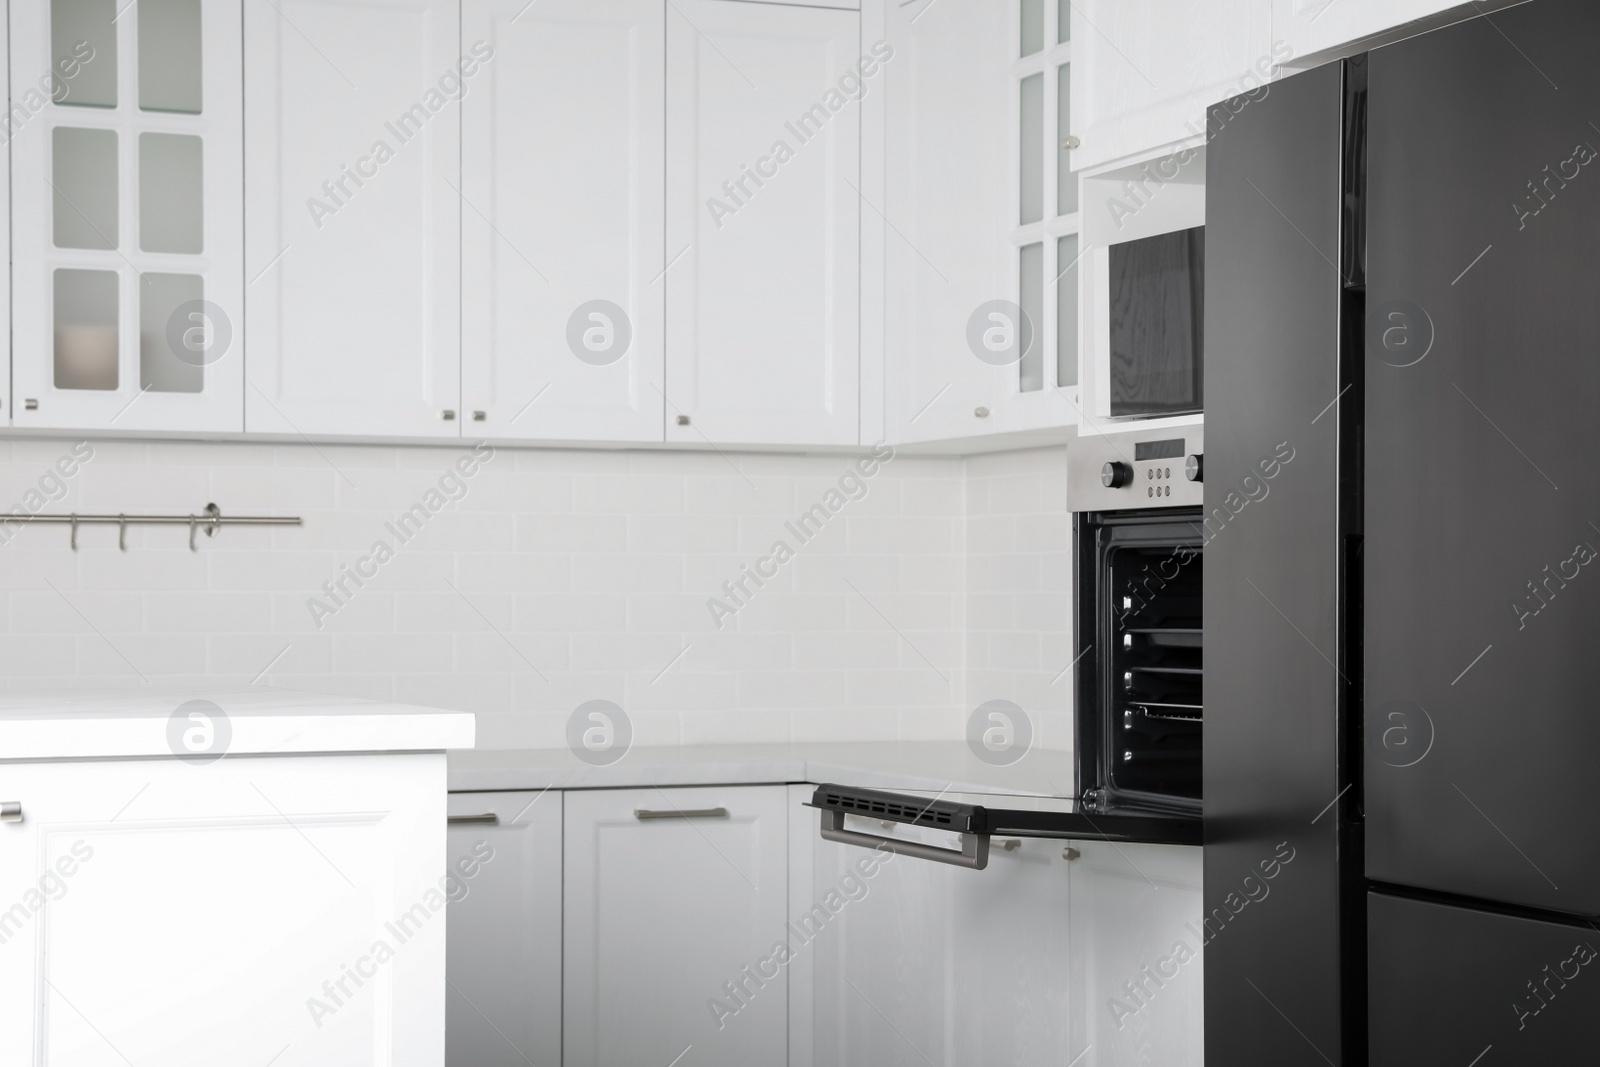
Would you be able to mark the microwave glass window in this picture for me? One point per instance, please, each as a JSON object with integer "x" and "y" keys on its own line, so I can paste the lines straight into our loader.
{"x": 1157, "y": 319}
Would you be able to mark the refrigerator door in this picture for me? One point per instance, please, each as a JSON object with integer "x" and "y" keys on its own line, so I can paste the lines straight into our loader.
{"x": 1482, "y": 486}
{"x": 1453, "y": 986}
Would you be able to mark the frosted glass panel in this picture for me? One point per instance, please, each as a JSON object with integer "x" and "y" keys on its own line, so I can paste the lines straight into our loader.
{"x": 1032, "y": 302}
{"x": 170, "y": 215}
{"x": 1063, "y": 21}
{"x": 83, "y": 52}
{"x": 1066, "y": 181}
{"x": 84, "y": 173}
{"x": 1032, "y": 148}
{"x": 169, "y": 55}
{"x": 166, "y": 365}
{"x": 1032, "y": 26}
{"x": 1067, "y": 310}
{"x": 86, "y": 329}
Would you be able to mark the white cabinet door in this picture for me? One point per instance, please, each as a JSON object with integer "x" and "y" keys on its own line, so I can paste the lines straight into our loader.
{"x": 249, "y": 911}
{"x": 126, "y": 202}
{"x": 563, "y": 179}
{"x": 503, "y": 1008}
{"x": 674, "y": 904}
{"x": 353, "y": 215}
{"x": 1144, "y": 70}
{"x": 1137, "y": 957}
{"x": 763, "y": 224}
{"x": 1311, "y": 26}
{"x": 947, "y": 254}
{"x": 924, "y": 963}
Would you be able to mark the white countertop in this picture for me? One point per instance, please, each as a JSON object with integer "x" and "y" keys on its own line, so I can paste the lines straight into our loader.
{"x": 927, "y": 765}
{"x": 146, "y": 722}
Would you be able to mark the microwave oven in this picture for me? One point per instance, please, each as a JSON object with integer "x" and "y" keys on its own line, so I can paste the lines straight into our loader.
{"x": 1155, "y": 324}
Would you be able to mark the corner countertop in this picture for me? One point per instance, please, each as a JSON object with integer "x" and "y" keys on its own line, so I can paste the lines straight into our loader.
{"x": 142, "y": 723}
{"x": 924, "y": 765}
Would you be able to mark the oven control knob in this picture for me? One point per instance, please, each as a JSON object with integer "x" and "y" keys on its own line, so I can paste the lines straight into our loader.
{"x": 1115, "y": 475}
{"x": 1194, "y": 468}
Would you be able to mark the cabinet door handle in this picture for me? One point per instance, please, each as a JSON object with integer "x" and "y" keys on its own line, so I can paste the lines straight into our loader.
{"x": 487, "y": 817}
{"x": 644, "y": 814}
{"x": 974, "y": 854}
{"x": 10, "y": 811}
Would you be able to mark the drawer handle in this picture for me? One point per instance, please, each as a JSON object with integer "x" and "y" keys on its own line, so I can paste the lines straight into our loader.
{"x": 487, "y": 817}
{"x": 10, "y": 811}
{"x": 645, "y": 814}
{"x": 974, "y": 854}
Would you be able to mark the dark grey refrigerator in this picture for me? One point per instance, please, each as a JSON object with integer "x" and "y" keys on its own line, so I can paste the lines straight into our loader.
{"x": 1402, "y": 639}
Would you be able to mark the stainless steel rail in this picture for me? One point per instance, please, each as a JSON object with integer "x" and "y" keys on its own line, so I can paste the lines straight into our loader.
{"x": 210, "y": 520}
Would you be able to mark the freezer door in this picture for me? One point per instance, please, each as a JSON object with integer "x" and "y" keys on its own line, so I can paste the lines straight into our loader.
{"x": 1482, "y": 460}
{"x": 1453, "y": 986}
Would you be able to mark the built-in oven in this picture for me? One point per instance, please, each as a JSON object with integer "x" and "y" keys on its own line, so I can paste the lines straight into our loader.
{"x": 1141, "y": 533}
{"x": 1139, "y": 708}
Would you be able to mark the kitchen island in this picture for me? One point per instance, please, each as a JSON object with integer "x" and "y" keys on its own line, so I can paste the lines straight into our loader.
{"x": 192, "y": 878}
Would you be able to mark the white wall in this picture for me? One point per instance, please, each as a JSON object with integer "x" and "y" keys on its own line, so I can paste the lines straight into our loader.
{"x": 595, "y": 566}
{"x": 1019, "y": 588}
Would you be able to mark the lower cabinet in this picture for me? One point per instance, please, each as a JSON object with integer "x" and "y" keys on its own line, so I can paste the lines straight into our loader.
{"x": 1027, "y": 962}
{"x": 1137, "y": 954}
{"x": 713, "y": 926}
{"x": 503, "y": 1001}
{"x": 674, "y": 903}
{"x": 252, "y": 910}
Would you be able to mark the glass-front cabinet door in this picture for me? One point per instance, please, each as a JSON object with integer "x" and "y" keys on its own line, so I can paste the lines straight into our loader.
{"x": 127, "y": 215}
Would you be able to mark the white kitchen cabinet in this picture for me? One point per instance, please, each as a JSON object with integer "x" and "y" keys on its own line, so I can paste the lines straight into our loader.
{"x": 674, "y": 902}
{"x": 353, "y": 215}
{"x": 163, "y": 912}
{"x": 1145, "y": 70}
{"x": 563, "y": 175}
{"x": 1137, "y": 959}
{"x": 926, "y": 963}
{"x": 503, "y": 1008}
{"x": 763, "y": 224}
{"x": 1308, "y": 27}
{"x": 947, "y": 252}
{"x": 126, "y": 215}
{"x": 984, "y": 220}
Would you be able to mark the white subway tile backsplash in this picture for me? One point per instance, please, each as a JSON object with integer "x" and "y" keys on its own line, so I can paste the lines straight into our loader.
{"x": 550, "y": 577}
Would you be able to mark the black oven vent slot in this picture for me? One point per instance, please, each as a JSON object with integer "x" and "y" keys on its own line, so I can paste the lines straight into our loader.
{"x": 921, "y": 814}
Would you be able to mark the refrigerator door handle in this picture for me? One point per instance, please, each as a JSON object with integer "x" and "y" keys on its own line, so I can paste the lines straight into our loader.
{"x": 974, "y": 854}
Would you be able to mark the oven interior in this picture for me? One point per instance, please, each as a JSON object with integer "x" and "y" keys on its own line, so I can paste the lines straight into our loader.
{"x": 1140, "y": 708}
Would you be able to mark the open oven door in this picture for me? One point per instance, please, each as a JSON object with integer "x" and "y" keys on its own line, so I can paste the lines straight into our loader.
{"x": 973, "y": 819}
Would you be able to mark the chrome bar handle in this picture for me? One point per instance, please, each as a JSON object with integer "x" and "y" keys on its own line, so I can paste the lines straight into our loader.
{"x": 488, "y": 817}
{"x": 974, "y": 854}
{"x": 645, "y": 814}
{"x": 10, "y": 811}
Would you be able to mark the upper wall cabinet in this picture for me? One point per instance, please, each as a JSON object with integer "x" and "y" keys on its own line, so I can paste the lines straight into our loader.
{"x": 1311, "y": 26}
{"x": 125, "y": 153}
{"x": 980, "y": 266}
{"x": 945, "y": 155}
{"x": 563, "y": 220}
{"x": 763, "y": 223}
{"x": 1146, "y": 69}
{"x": 353, "y": 215}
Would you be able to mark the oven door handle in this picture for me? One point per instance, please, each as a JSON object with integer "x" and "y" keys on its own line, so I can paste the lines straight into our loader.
{"x": 974, "y": 854}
